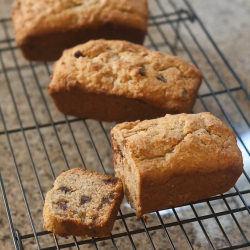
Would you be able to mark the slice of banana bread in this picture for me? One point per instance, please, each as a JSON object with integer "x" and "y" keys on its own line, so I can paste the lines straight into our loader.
{"x": 121, "y": 81}
{"x": 175, "y": 160}
{"x": 82, "y": 203}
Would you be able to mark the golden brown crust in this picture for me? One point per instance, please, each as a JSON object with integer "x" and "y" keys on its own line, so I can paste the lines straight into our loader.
{"x": 38, "y": 24}
{"x": 177, "y": 158}
{"x": 82, "y": 203}
{"x": 159, "y": 81}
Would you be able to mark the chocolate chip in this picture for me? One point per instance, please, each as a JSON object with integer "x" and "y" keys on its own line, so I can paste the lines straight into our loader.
{"x": 62, "y": 205}
{"x": 142, "y": 71}
{"x": 161, "y": 78}
{"x": 105, "y": 200}
{"x": 78, "y": 54}
{"x": 110, "y": 181}
{"x": 64, "y": 189}
{"x": 85, "y": 199}
{"x": 111, "y": 196}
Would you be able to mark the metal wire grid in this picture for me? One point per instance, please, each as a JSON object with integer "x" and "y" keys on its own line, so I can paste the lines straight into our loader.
{"x": 174, "y": 227}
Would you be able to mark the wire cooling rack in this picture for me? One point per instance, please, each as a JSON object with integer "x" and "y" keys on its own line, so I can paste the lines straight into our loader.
{"x": 37, "y": 143}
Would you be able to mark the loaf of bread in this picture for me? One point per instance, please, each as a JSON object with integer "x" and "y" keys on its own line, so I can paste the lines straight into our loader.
{"x": 82, "y": 203}
{"x": 121, "y": 81}
{"x": 174, "y": 160}
{"x": 43, "y": 29}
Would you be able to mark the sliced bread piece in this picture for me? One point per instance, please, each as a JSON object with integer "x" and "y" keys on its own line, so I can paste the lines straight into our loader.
{"x": 82, "y": 203}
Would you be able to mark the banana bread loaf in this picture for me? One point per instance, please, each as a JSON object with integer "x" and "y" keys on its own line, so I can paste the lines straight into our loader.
{"x": 82, "y": 203}
{"x": 43, "y": 29}
{"x": 174, "y": 160}
{"x": 121, "y": 81}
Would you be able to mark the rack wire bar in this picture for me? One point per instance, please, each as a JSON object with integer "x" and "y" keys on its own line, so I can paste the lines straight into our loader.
{"x": 26, "y": 142}
{"x": 219, "y": 224}
{"x": 202, "y": 227}
{"x": 218, "y": 50}
{"x": 17, "y": 171}
{"x": 182, "y": 229}
{"x": 207, "y": 83}
{"x": 103, "y": 168}
{"x": 166, "y": 225}
{"x": 167, "y": 27}
{"x": 165, "y": 230}
{"x": 16, "y": 243}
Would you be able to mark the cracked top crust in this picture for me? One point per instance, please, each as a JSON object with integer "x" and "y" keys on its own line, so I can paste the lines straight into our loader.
{"x": 126, "y": 69}
{"x": 38, "y": 17}
{"x": 201, "y": 140}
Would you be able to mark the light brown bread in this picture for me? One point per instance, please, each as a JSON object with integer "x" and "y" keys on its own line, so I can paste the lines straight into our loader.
{"x": 121, "y": 81}
{"x": 82, "y": 203}
{"x": 175, "y": 160}
{"x": 43, "y": 29}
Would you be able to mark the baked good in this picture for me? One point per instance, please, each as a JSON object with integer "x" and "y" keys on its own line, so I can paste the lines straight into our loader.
{"x": 82, "y": 203}
{"x": 174, "y": 160}
{"x": 121, "y": 81}
{"x": 43, "y": 29}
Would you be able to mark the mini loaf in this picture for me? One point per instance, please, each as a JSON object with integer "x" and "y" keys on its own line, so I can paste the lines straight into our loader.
{"x": 82, "y": 203}
{"x": 43, "y": 29}
{"x": 121, "y": 81}
{"x": 174, "y": 160}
